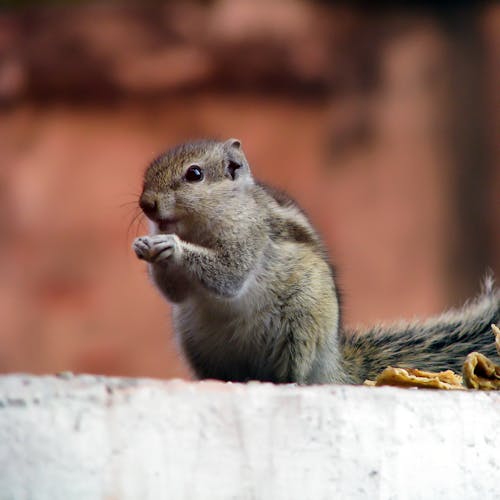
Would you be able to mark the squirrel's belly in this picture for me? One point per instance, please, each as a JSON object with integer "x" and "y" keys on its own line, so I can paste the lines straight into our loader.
{"x": 227, "y": 347}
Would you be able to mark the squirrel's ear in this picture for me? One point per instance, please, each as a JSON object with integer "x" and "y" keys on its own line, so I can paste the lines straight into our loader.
{"x": 237, "y": 165}
{"x": 233, "y": 143}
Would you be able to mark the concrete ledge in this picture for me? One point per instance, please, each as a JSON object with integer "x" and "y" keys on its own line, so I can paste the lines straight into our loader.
{"x": 91, "y": 437}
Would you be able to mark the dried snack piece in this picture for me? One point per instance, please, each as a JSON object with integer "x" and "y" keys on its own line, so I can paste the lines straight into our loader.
{"x": 480, "y": 372}
{"x": 412, "y": 377}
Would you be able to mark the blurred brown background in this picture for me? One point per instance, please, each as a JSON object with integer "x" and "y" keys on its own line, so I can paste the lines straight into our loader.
{"x": 382, "y": 123}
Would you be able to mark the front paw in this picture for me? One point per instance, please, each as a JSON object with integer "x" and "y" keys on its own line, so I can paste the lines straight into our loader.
{"x": 157, "y": 248}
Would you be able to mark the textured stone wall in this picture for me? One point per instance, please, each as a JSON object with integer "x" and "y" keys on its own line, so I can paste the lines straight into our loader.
{"x": 101, "y": 438}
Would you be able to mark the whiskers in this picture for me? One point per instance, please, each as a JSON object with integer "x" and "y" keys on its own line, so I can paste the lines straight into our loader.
{"x": 136, "y": 225}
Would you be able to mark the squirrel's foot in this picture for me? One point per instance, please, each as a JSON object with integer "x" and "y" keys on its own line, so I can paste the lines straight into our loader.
{"x": 157, "y": 248}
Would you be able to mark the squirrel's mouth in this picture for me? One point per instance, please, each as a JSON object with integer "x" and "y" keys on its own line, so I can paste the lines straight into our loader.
{"x": 167, "y": 225}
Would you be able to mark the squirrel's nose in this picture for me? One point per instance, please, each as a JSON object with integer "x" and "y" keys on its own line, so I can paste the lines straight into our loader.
{"x": 149, "y": 206}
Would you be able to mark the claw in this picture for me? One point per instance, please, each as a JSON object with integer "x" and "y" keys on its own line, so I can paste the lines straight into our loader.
{"x": 155, "y": 248}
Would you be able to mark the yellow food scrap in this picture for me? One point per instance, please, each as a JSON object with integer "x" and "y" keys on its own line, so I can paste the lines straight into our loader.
{"x": 480, "y": 372}
{"x": 412, "y": 377}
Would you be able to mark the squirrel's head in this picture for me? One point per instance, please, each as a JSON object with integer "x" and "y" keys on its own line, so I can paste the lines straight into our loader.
{"x": 193, "y": 183}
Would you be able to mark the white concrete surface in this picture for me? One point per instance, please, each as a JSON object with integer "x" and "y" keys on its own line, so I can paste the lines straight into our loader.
{"x": 102, "y": 438}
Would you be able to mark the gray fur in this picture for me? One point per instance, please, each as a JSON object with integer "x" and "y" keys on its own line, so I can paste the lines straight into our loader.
{"x": 254, "y": 296}
{"x": 435, "y": 344}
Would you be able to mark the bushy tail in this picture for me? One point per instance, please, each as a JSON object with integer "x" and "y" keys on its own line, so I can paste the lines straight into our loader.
{"x": 437, "y": 344}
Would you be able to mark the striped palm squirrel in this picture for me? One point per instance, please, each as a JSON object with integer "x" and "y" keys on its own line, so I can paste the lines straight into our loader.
{"x": 254, "y": 296}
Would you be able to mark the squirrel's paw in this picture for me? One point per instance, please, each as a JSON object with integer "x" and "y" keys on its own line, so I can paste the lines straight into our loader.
{"x": 157, "y": 248}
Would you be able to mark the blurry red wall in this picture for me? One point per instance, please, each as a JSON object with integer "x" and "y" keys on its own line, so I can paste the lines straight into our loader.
{"x": 381, "y": 124}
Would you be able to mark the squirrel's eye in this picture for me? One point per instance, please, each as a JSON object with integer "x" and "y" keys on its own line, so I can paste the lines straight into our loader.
{"x": 194, "y": 174}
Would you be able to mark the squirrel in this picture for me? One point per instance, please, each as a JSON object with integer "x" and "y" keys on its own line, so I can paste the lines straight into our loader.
{"x": 253, "y": 293}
